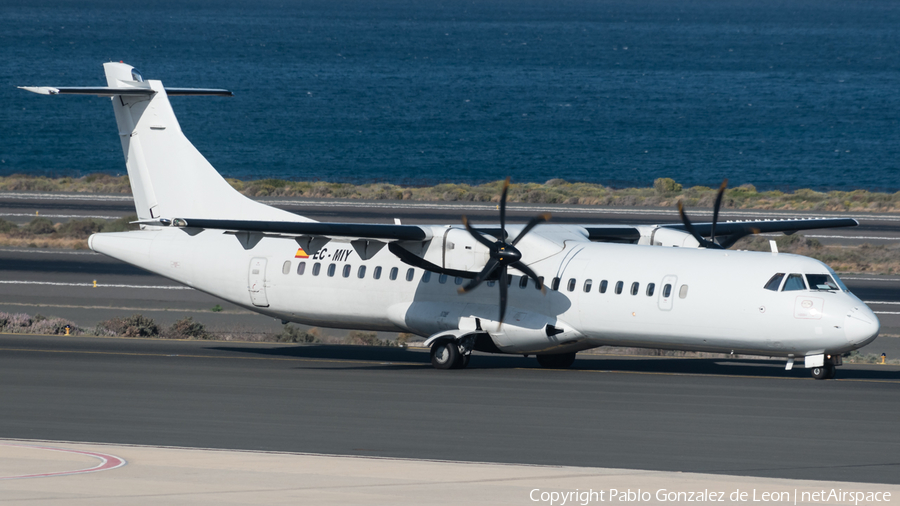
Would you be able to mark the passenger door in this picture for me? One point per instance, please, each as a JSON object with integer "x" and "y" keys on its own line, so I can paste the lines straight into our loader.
{"x": 667, "y": 296}
{"x": 256, "y": 282}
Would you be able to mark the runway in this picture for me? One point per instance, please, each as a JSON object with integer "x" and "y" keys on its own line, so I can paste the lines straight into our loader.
{"x": 708, "y": 416}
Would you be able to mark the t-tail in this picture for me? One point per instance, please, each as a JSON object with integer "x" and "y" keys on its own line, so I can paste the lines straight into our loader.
{"x": 169, "y": 177}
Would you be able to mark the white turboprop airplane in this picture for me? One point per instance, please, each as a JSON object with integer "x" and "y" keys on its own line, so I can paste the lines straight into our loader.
{"x": 561, "y": 288}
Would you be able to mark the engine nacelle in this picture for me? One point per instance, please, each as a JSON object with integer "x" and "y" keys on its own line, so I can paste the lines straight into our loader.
{"x": 462, "y": 252}
{"x": 664, "y": 236}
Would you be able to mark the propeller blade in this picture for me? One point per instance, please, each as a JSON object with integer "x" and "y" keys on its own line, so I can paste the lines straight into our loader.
{"x": 537, "y": 220}
{"x": 530, "y": 273}
{"x": 476, "y": 234}
{"x": 503, "y": 209}
{"x": 504, "y": 289}
{"x": 712, "y": 232}
{"x": 690, "y": 228}
{"x": 489, "y": 269}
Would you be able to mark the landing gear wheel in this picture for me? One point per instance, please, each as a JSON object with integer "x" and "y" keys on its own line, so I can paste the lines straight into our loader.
{"x": 557, "y": 361}
{"x": 823, "y": 372}
{"x": 445, "y": 355}
{"x": 832, "y": 370}
{"x": 464, "y": 362}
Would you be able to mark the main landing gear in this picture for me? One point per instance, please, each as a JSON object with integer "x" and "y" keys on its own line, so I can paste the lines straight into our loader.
{"x": 449, "y": 354}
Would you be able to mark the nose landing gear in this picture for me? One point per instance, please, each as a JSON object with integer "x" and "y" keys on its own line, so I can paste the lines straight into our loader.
{"x": 826, "y": 371}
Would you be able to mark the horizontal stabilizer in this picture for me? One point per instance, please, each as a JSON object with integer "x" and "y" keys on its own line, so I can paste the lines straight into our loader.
{"x": 105, "y": 91}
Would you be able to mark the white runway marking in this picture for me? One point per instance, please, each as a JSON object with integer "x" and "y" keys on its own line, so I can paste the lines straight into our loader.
{"x": 66, "y": 196}
{"x": 91, "y": 285}
{"x": 102, "y": 217}
{"x": 48, "y": 251}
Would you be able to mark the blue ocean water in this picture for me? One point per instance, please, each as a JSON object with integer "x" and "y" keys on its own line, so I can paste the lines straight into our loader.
{"x": 776, "y": 93}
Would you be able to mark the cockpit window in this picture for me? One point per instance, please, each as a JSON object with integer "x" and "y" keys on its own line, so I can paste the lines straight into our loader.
{"x": 775, "y": 282}
{"x": 821, "y": 282}
{"x": 794, "y": 282}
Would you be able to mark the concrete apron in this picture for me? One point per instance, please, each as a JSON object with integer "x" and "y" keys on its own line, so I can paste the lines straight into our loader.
{"x": 47, "y": 472}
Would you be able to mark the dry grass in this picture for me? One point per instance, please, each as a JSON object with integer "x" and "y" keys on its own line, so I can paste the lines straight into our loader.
{"x": 664, "y": 193}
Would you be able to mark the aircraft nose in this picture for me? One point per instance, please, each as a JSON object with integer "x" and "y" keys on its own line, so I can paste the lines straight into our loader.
{"x": 861, "y": 326}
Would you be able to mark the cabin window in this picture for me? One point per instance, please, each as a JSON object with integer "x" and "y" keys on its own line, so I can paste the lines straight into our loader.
{"x": 619, "y": 286}
{"x": 346, "y": 271}
{"x": 667, "y": 290}
{"x": 301, "y": 268}
{"x": 774, "y": 282}
{"x": 286, "y": 268}
{"x": 821, "y": 282}
{"x": 794, "y": 282}
{"x": 555, "y": 284}
{"x": 376, "y": 274}
{"x": 361, "y": 273}
{"x": 458, "y": 280}
{"x": 316, "y": 268}
{"x": 650, "y": 289}
{"x": 410, "y": 273}
{"x": 539, "y": 283}
{"x": 442, "y": 279}
{"x": 603, "y": 285}
{"x": 635, "y": 287}
{"x": 523, "y": 281}
{"x": 331, "y": 269}
{"x": 571, "y": 285}
{"x": 587, "y": 285}
{"x": 394, "y": 272}
{"x": 426, "y": 276}
{"x": 682, "y": 292}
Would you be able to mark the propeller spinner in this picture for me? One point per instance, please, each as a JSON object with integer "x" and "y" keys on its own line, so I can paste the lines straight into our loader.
{"x": 503, "y": 254}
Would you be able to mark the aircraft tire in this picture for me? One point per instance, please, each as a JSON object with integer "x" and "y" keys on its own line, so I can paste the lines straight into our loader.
{"x": 464, "y": 361}
{"x": 832, "y": 371}
{"x": 445, "y": 354}
{"x": 556, "y": 361}
{"x": 820, "y": 372}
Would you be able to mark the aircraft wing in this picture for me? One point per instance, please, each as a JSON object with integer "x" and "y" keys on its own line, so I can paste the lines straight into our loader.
{"x": 359, "y": 230}
{"x": 727, "y": 233}
{"x": 731, "y": 231}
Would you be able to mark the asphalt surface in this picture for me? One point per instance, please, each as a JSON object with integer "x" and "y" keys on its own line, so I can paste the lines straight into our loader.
{"x": 700, "y": 415}
{"x": 748, "y": 418}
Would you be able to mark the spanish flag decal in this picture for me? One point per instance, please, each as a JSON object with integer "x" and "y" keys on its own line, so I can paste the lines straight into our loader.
{"x": 301, "y": 253}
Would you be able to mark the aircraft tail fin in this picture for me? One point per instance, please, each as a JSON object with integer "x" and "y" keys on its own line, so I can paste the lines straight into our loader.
{"x": 169, "y": 177}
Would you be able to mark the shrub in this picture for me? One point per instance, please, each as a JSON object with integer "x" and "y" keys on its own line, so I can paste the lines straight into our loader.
{"x": 135, "y": 325}
{"x": 664, "y": 185}
{"x": 54, "y": 326}
{"x": 40, "y": 226}
{"x": 81, "y": 229}
{"x": 291, "y": 334}
{"x": 186, "y": 328}
{"x": 7, "y": 226}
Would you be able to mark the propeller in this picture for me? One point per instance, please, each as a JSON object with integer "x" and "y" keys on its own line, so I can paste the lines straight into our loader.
{"x": 704, "y": 242}
{"x": 503, "y": 254}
